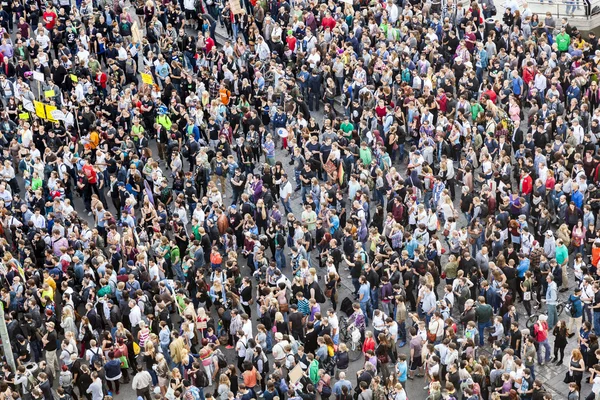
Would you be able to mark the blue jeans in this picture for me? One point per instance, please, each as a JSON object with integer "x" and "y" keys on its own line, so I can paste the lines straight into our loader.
{"x": 402, "y": 332}
{"x": 374, "y": 299}
{"x": 167, "y": 354}
{"x": 280, "y": 258}
{"x": 356, "y": 285}
{"x": 531, "y": 369}
{"x": 364, "y": 306}
{"x": 179, "y": 272}
{"x": 552, "y": 316}
{"x": 597, "y": 323}
{"x": 287, "y": 206}
{"x": 545, "y": 345}
{"x": 481, "y": 328}
{"x": 427, "y": 199}
{"x": 304, "y": 191}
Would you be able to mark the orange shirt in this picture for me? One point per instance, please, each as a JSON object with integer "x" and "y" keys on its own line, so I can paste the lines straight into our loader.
{"x": 224, "y": 94}
{"x": 595, "y": 256}
{"x": 250, "y": 379}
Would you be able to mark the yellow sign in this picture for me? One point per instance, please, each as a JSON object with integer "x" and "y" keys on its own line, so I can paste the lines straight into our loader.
{"x": 147, "y": 78}
{"x": 49, "y": 110}
{"x": 74, "y": 78}
{"x": 40, "y": 110}
{"x": 49, "y": 93}
{"x": 24, "y": 116}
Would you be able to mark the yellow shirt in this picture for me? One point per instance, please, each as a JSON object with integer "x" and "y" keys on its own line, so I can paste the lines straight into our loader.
{"x": 51, "y": 283}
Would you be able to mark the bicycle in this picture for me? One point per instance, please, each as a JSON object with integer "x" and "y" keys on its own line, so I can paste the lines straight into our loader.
{"x": 351, "y": 335}
{"x": 560, "y": 307}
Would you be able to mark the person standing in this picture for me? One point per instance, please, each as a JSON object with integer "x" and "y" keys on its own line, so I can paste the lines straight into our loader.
{"x": 95, "y": 389}
{"x": 560, "y": 342}
{"x": 540, "y": 332}
{"x": 141, "y": 383}
{"x": 50, "y": 342}
{"x": 552, "y": 301}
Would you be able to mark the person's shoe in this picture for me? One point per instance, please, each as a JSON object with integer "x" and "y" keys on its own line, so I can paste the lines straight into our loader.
{"x": 559, "y": 363}
{"x": 117, "y": 392}
{"x": 297, "y": 189}
{"x": 401, "y": 344}
{"x": 541, "y": 364}
{"x": 426, "y": 387}
{"x": 571, "y": 335}
{"x": 229, "y": 346}
{"x": 291, "y": 162}
{"x": 411, "y": 378}
{"x": 553, "y": 359}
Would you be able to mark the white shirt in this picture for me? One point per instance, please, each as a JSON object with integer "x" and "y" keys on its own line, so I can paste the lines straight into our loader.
{"x": 135, "y": 315}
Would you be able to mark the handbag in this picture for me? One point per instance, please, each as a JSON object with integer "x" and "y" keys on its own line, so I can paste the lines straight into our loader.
{"x": 431, "y": 336}
{"x": 527, "y": 296}
{"x": 284, "y": 307}
{"x": 328, "y": 292}
{"x": 568, "y": 377}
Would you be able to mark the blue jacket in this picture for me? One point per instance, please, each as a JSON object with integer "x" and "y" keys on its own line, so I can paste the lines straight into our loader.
{"x": 577, "y": 306}
{"x": 113, "y": 368}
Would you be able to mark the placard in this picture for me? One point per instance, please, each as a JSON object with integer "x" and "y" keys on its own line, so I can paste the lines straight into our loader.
{"x": 38, "y": 76}
{"x": 147, "y": 78}
{"x": 235, "y": 7}
{"x": 24, "y": 116}
{"x": 40, "y": 110}
{"x": 57, "y": 115}
{"x": 295, "y": 374}
{"x": 49, "y": 110}
{"x": 49, "y": 93}
{"x": 74, "y": 78}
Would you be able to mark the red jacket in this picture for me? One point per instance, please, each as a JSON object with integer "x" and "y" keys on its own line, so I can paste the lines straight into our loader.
{"x": 526, "y": 184}
{"x": 541, "y": 334}
{"x": 328, "y": 22}
{"x": 101, "y": 79}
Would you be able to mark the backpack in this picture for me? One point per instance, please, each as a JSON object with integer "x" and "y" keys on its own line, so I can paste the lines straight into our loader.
{"x": 484, "y": 210}
{"x": 325, "y": 391}
{"x": 202, "y": 378}
{"x": 32, "y": 381}
{"x": 570, "y": 306}
{"x": 96, "y": 356}
{"x": 148, "y": 309}
{"x": 221, "y": 360}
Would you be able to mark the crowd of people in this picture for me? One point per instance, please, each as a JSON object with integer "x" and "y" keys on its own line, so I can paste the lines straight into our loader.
{"x": 185, "y": 212}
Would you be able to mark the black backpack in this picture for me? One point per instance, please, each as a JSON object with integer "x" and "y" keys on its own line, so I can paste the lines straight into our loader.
{"x": 148, "y": 309}
{"x": 202, "y": 379}
{"x": 96, "y": 356}
{"x": 221, "y": 360}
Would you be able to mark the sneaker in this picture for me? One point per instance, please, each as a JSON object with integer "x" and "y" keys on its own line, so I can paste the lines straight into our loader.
{"x": 229, "y": 346}
{"x": 426, "y": 387}
{"x": 401, "y": 344}
{"x": 349, "y": 276}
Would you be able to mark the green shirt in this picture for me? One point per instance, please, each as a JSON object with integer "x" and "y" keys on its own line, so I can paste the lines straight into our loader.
{"x": 563, "y": 40}
{"x": 104, "y": 290}
{"x": 36, "y": 183}
{"x": 475, "y": 110}
{"x": 347, "y": 127}
{"x": 175, "y": 255}
{"x": 562, "y": 254}
{"x": 365, "y": 155}
{"x": 484, "y": 313}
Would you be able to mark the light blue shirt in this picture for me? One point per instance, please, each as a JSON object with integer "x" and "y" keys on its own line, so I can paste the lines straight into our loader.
{"x": 366, "y": 292}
